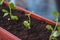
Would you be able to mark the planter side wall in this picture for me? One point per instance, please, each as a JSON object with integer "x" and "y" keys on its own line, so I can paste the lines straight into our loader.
{"x": 5, "y": 35}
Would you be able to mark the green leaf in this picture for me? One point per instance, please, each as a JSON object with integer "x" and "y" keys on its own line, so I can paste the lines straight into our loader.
{"x": 55, "y": 13}
{"x": 49, "y": 27}
{"x": 14, "y": 18}
{"x": 58, "y": 28}
{"x": 5, "y": 14}
{"x": 54, "y": 38}
{"x": 55, "y": 34}
{"x": 26, "y": 24}
{"x": 4, "y": 10}
{"x": 12, "y": 6}
{"x": 1, "y": 2}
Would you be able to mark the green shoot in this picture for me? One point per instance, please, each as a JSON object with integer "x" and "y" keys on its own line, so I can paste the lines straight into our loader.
{"x": 14, "y": 17}
{"x": 5, "y": 12}
{"x": 1, "y": 2}
{"x": 49, "y": 27}
{"x": 55, "y": 33}
{"x": 54, "y": 38}
{"x": 11, "y": 6}
{"x": 27, "y": 23}
{"x": 56, "y": 14}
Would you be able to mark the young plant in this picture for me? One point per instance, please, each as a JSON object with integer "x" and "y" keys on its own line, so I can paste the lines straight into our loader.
{"x": 27, "y": 22}
{"x": 11, "y": 6}
{"x": 1, "y": 2}
{"x": 56, "y": 30}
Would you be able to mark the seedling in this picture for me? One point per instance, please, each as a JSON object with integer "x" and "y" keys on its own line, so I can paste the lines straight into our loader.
{"x": 1, "y": 2}
{"x": 56, "y": 30}
{"x": 27, "y": 22}
{"x": 11, "y": 6}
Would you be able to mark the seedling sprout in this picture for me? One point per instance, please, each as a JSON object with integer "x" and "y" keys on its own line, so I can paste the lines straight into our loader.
{"x": 27, "y": 22}
{"x": 13, "y": 17}
{"x": 56, "y": 30}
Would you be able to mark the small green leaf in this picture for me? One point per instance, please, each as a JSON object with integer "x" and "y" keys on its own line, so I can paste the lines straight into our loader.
{"x": 55, "y": 13}
{"x": 1, "y": 2}
{"x": 26, "y": 24}
{"x": 55, "y": 34}
{"x": 49, "y": 27}
{"x": 58, "y": 28}
{"x": 54, "y": 38}
{"x": 5, "y": 14}
{"x": 4, "y": 10}
{"x": 14, "y": 18}
{"x": 12, "y": 6}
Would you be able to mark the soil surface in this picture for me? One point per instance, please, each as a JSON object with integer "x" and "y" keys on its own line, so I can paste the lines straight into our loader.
{"x": 37, "y": 31}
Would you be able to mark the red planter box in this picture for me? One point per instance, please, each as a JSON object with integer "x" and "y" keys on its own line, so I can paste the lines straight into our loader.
{"x": 5, "y": 35}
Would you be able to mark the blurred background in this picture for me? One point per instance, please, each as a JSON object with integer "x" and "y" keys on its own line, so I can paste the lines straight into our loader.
{"x": 40, "y": 7}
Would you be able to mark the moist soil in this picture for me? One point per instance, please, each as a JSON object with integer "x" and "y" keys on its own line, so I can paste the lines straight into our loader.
{"x": 37, "y": 31}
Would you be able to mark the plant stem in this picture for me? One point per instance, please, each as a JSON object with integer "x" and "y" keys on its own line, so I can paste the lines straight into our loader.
{"x": 54, "y": 29}
{"x": 56, "y": 25}
{"x": 51, "y": 35}
{"x": 10, "y": 11}
{"x": 29, "y": 20}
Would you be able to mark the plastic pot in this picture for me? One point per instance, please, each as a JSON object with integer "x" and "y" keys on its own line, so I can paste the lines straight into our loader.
{"x": 5, "y": 35}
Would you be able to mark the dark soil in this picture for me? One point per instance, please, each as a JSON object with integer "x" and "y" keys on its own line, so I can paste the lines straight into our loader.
{"x": 37, "y": 31}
